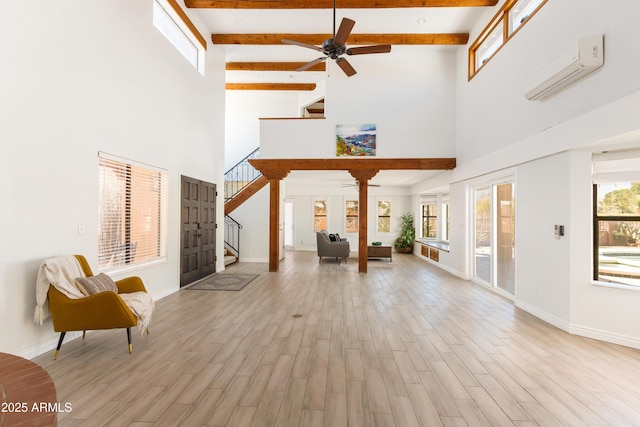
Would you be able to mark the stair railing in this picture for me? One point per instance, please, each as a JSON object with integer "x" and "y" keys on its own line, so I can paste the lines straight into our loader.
{"x": 232, "y": 235}
{"x": 241, "y": 175}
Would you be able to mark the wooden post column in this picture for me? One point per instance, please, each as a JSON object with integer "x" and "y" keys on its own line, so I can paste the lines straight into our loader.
{"x": 274, "y": 176}
{"x": 363, "y": 177}
{"x": 361, "y": 169}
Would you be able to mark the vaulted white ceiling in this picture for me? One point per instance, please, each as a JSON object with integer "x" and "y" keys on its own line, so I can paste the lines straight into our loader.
{"x": 375, "y": 20}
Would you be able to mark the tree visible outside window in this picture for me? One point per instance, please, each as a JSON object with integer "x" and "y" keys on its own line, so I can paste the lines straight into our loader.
{"x": 319, "y": 215}
{"x": 352, "y": 216}
{"x": 430, "y": 221}
{"x": 384, "y": 216}
{"x": 132, "y": 214}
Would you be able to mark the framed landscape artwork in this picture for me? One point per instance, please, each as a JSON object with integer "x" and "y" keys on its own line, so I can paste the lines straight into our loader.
{"x": 356, "y": 140}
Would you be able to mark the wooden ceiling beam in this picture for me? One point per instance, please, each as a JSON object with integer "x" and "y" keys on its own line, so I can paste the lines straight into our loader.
{"x": 354, "y": 164}
{"x": 341, "y": 4}
{"x": 272, "y": 66}
{"x": 354, "y": 39}
{"x": 270, "y": 86}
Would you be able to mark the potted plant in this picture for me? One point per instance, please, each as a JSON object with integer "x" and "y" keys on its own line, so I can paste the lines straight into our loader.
{"x": 404, "y": 243}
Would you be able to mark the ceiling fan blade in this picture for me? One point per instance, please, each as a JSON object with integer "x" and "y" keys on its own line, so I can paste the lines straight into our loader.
{"x": 311, "y": 64}
{"x": 346, "y": 67}
{"x": 380, "y": 48}
{"x": 343, "y": 32}
{"x": 295, "y": 43}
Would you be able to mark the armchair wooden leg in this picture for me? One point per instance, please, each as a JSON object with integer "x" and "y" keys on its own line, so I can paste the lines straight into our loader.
{"x": 55, "y": 355}
{"x": 129, "y": 340}
{"x": 84, "y": 334}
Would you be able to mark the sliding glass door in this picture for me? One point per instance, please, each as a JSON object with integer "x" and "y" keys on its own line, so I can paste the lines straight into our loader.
{"x": 494, "y": 236}
{"x": 483, "y": 235}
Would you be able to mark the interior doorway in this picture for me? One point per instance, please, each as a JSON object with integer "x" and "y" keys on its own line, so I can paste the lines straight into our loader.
{"x": 289, "y": 237}
{"x": 197, "y": 230}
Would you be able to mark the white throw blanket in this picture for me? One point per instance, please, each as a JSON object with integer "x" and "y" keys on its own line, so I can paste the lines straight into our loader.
{"x": 61, "y": 272}
{"x": 142, "y": 305}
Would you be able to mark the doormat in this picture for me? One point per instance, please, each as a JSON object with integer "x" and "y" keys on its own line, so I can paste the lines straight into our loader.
{"x": 223, "y": 282}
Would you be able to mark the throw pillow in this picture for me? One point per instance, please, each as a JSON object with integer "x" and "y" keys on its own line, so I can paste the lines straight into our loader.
{"x": 332, "y": 237}
{"x": 338, "y": 239}
{"x": 96, "y": 284}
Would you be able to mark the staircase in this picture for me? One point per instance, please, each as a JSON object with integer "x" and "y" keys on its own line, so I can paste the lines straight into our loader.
{"x": 241, "y": 175}
{"x": 240, "y": 183}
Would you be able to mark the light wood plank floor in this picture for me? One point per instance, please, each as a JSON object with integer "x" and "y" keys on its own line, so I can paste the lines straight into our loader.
{"x": 405, "y": 345}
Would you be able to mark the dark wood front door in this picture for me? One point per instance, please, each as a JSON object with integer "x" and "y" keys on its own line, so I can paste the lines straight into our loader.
{"x": 198, "y": 230}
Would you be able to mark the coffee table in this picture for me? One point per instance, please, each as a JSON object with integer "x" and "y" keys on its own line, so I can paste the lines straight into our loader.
{"x": 374, "y": 251}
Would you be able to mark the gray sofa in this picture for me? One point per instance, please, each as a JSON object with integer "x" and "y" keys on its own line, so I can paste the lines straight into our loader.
{"x": 338, "y": 249}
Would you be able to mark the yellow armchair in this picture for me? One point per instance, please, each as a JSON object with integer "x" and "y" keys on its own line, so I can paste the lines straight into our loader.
{"x": 105, "y": 310}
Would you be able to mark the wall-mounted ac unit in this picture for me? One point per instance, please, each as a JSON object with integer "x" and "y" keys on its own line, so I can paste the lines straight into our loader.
{"x": 567, "y": 69}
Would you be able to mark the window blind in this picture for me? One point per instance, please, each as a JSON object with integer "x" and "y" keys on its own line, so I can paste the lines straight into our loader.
{"x": 616, "y": 166}
{"x": 132, "y": 213}
{"x": 429, "y": 199}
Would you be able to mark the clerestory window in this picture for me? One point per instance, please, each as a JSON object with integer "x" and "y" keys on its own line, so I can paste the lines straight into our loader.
{"x": 504, "y": 25}
{"x": 175, "y": 25}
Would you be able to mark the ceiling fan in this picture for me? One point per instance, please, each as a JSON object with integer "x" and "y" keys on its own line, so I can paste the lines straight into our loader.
{"x": 336, "y": 46}
{"x": 356, "y": 184}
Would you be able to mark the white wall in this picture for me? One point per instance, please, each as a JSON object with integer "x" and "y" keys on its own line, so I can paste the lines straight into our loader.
{"x": 336, "y": 197}
{"x": 253, "y": 215}
{"x": 542, "y": 201}
{"x": 415, "y": 117}
{"x": 599, "y": 312}
{"x": 78, "y": 78}
{"x": 549, "y": 143}
{"x": 492, "y": 110}
{"x": 244, "y": 109}
{"x": 414, "y": 111}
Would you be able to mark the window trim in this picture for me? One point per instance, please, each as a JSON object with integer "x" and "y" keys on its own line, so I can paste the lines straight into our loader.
{"x": 436, "y": 216}
{"x": 346, "y": 215}
{"x": 378, "y": 216}
{"x": 596, "y": 239}
{"x": 445, "y": 220}
{"x": 502, "y": 16}
{"x": 605, "y": 173}
{"x": 186, "y": 26}
{"x": 162, "y": 242}
{"x": 313, "y": 212}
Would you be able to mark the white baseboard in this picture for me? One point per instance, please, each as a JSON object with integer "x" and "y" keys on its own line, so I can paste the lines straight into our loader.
{"x": 49, "y": 344}
{"x": 583, "y": 331}
{"x": 610, "y": 337}
{"x": 543, "y": 315}
{"x": 165, "y": 294}
{"x": 262, "y": 260}
{"x": 442, "y": 266}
